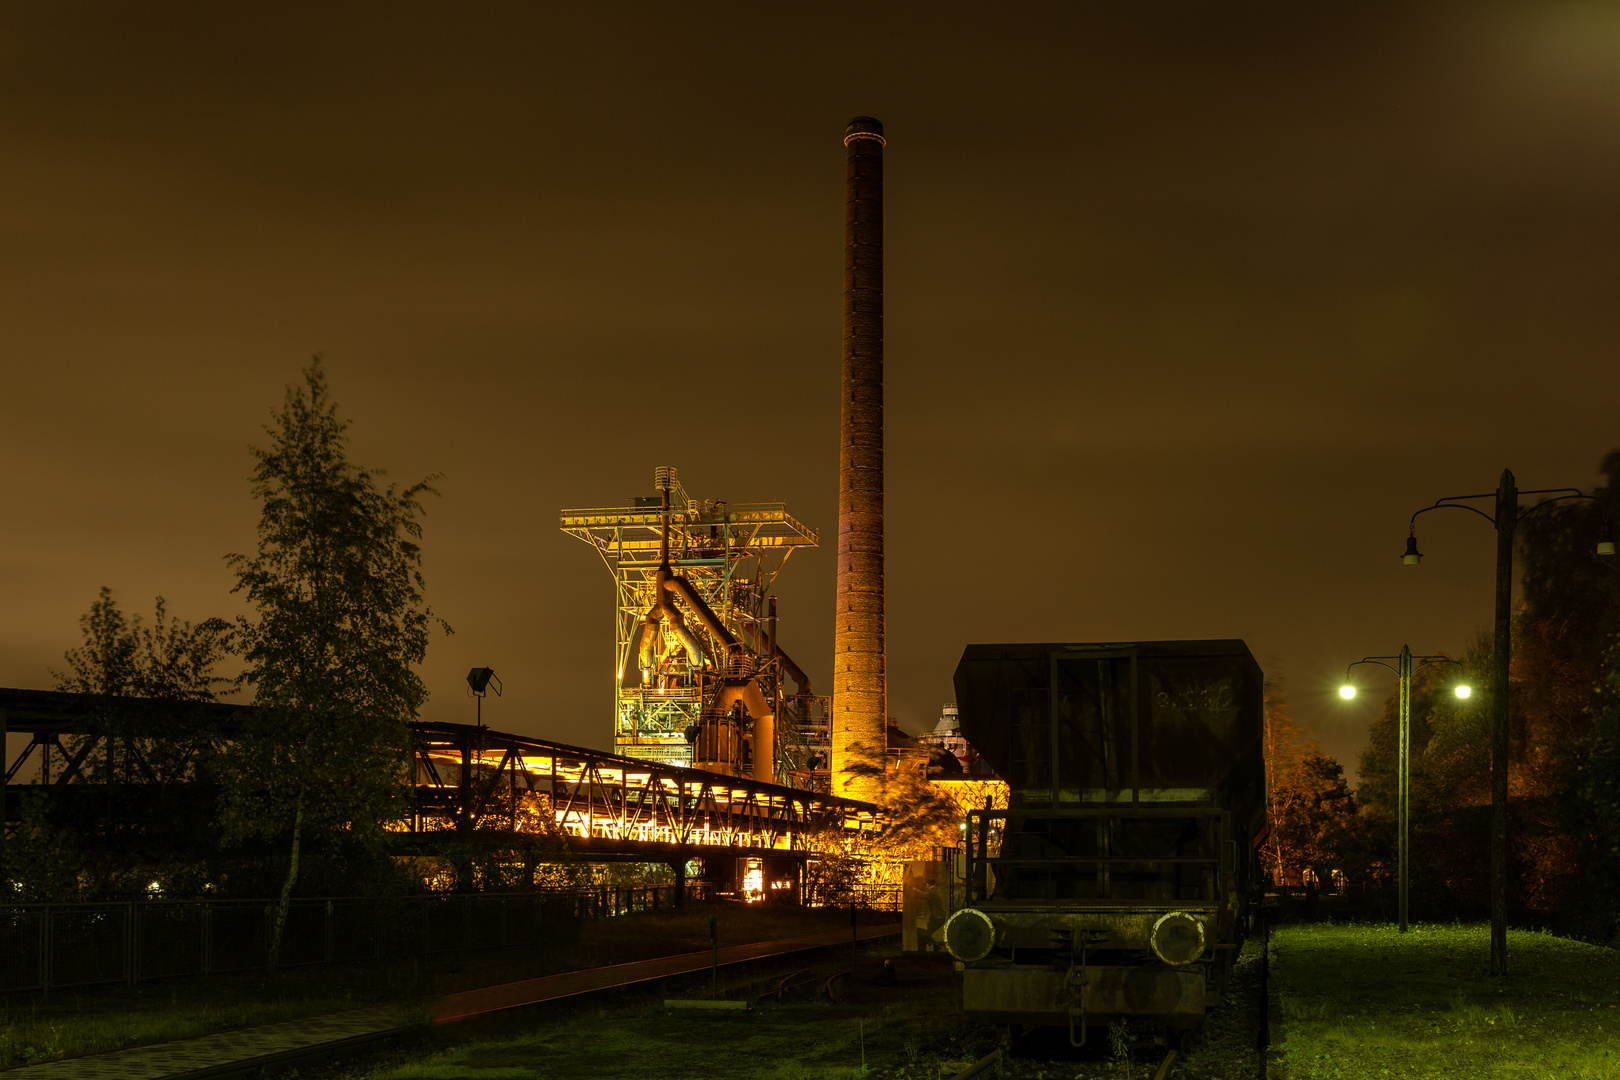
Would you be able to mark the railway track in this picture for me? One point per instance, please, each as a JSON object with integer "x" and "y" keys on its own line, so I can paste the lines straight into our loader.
{"x": 235, "y": 1054}
{"x": 1231, "y": 1045}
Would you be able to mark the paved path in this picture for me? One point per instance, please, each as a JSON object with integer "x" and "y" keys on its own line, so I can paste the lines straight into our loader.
{"x": 211, "y": 1054}
{"x": 206, "y": 1053}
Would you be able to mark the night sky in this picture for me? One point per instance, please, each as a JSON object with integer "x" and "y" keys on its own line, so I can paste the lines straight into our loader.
{"x": 1185, "y": 314}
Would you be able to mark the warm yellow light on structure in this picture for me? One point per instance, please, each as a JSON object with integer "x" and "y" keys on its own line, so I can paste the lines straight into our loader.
{"x": 1347, "y": 691}
{"x": 753, "y": 883}
{"x": 1464, "y": 690}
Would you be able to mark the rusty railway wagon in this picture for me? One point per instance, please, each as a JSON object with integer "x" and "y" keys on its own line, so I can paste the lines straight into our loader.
{"x": 1118, "y": 881}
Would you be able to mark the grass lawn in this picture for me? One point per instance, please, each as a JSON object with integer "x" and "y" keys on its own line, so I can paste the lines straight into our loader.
{"x": 1365, "y": 1001}
{"x": 68, "y": 1023}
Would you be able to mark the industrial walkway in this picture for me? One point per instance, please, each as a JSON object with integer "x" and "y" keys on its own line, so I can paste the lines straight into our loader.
{"x": 230, "y": 1053}
{"x": 471, "y": 783}
{"x": 551, "y": 987}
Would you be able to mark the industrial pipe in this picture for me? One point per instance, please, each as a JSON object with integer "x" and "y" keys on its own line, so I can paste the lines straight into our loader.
{"x": 764, "y": 647}
{"x": 753, "y": 702}
{"x": 683, "y": 588}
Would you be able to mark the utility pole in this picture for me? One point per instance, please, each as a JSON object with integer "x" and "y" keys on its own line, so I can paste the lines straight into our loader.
{"x": 1506, "y": 521}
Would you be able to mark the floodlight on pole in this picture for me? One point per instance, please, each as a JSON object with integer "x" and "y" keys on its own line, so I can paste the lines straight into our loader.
{"x": 1463, "y": 690}
{"x": 1347, "y": 691}
{"x": 480, "y": 680}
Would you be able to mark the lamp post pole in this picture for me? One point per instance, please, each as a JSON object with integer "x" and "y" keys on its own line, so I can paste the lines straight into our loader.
{"x": 1403, "y": 780}
{"x": 1404, "y": 788}
{"x": 1506, "y": 521}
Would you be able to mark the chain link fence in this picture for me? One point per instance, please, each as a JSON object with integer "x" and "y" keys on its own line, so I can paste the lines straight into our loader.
{"x": 54, "y": 946}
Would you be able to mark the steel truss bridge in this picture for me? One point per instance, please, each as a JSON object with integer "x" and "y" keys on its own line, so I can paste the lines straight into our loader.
{"x": 481, "y": 783}
{"x": 473, "y": 786}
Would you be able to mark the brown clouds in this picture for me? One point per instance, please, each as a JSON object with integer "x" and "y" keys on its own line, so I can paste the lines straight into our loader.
{"x": 1186, "y": 313}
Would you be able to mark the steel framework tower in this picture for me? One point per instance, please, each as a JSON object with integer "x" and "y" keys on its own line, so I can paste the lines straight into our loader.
{"x": 694, "y": 641}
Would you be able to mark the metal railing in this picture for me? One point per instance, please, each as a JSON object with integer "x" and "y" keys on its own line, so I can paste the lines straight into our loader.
{"x": 49, "y": 946}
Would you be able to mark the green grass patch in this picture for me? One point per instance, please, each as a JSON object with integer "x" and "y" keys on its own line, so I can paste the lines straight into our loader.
{"x": 1365, "y": 1001}
{"x": 67, "y": 1023}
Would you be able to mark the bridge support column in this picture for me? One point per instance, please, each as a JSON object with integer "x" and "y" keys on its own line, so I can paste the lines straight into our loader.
{"x": 679, "y": 867}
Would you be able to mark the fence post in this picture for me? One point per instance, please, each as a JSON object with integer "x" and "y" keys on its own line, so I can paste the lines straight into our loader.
{"x": 207, "y": 938}
{"x": 45, "y": 947}
{"x": 328, "y": 931}
{"x": 132, "y": 944}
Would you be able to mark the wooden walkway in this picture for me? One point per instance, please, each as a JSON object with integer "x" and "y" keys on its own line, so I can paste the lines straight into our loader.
{"x": 551, "y": 987}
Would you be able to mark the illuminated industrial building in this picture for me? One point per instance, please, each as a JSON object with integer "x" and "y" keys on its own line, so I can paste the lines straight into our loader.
{"x": 698, "y": 677}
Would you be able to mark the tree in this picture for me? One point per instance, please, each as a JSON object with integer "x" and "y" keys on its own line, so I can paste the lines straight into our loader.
{"x": 1286, "y": 745}
{"x": 340, "y": 626}
{"x": 1563, "y": 672}
{"x": 122, "y": 657}
{"x": 145, "y": 741}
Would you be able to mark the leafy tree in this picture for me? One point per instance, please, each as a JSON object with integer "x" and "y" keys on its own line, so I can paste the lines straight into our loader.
{"x": 1564, "y": 713}
{"x": 42, "y": 861}
{"x": 1590, "y": 793}
{"x": 341, "y": 625}
{"x": 143, "y": 731}
{"x": 123, "y": 657}
{"x": 1311, "y": 809}
{"x": 1287, "y": 744}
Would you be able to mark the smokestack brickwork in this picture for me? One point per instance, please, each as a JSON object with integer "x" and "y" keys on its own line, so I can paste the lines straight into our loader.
{"x": 860, "y": 675}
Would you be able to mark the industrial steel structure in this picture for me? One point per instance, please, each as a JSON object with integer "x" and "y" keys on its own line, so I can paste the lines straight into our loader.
{"x": 536, "y": 799}
{"x": 698, "y": 675}
{"x": 474, "y": 781}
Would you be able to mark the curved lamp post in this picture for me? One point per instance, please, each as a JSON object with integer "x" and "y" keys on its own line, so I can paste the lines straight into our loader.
{"x": 1403, "y": 667}
{"x": 1505, "y": 520}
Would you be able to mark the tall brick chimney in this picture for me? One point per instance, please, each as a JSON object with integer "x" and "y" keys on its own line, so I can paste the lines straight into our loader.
{"x": 860, "y": 673}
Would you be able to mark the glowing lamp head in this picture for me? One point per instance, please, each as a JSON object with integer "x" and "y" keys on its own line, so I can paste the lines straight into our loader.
{"x": 1413, "y": 556}
{"x": 1463, "y": 690}
{"x": 1347, "y": 691}
{"x": 1606, "y": 539}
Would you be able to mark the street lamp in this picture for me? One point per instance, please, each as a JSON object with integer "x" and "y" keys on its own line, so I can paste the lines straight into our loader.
{"x": 1403, "y": 784}
{"x": 1506, "y": 521}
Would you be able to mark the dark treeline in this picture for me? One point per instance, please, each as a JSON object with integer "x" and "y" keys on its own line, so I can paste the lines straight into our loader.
{"x": 1564, "y": 764}
{"x": 296, "y": 793}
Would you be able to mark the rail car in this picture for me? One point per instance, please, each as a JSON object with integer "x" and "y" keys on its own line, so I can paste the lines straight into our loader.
{"x": 1118, "y": 881}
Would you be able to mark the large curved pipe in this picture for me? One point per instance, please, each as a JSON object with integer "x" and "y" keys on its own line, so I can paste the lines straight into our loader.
{"x": 753, "y": 700}
{"x": 694, "y": 648}
{"x": 683, "y": 588}
{"x": 644, "y": 647}
{"x": 758, "y": 642}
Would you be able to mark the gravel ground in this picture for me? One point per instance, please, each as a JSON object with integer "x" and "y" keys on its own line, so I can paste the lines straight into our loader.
{"x": 1227, "y": 1047}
